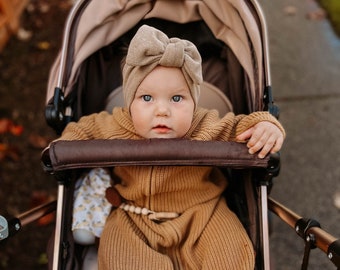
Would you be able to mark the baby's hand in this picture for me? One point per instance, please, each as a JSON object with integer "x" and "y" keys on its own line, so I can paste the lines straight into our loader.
{"x": 264, "y": 136}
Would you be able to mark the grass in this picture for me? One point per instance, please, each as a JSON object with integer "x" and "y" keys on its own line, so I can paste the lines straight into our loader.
{"x": 332, "y": 7}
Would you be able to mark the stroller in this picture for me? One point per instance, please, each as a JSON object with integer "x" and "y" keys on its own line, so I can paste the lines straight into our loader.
{"x": 86, "y": 78}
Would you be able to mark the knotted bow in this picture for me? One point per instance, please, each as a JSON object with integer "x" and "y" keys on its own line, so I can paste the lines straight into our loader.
{"x": 150, "y": 48}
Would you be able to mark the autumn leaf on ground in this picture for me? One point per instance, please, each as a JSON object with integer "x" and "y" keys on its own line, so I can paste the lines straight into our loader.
{"x": 290, "y": 10}
{"x": 7, "y": 126}
{"x": 315, "y": 15}
{"x": 38, "y": 141}
{"x": 38, "y": 198}
{"x": 10, "y": 152}
{"x": 24, "y": 35}
{"x": 43, "y": 45}
{"x": 16, "y": 130}
{"x": 43, "y": 259}
{"x": 6, "y": 150}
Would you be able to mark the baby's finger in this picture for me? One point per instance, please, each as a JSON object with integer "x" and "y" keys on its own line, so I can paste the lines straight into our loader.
{"x": 245, "y": 135}
{"x": 257, "y": 142}
{"x": 267, "y": 147}
{"x": 278, "y": 145}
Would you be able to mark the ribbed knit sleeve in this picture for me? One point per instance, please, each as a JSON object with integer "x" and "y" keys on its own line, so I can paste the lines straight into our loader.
{"x": 101, "y": 126}
{"x": 208, "y": 126}
{"x": 252, "y": 119}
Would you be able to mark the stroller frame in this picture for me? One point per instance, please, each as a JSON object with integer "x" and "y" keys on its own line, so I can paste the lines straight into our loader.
{"x": 58, "y": 115}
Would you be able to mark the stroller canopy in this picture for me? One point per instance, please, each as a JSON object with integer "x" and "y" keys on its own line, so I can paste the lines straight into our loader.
{"x": 103, "y": 22}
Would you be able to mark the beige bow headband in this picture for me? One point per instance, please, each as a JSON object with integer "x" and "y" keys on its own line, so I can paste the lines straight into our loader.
{"x": 150, "y": 48}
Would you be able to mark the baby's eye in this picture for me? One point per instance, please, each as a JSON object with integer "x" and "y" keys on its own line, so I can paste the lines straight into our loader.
{"x": 147, "y": 98}
{"x": 177, "y": 98}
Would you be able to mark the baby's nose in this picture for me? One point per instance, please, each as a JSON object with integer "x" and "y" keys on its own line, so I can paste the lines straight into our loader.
{"x": 162, "y": 109}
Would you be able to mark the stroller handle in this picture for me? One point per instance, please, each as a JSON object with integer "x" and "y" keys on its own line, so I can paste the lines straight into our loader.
{"x": 64, "y": 155}
{"x": 306, "y": 228}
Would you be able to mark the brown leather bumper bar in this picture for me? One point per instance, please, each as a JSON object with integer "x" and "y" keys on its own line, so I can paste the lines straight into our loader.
{"x": 63, "y": 155}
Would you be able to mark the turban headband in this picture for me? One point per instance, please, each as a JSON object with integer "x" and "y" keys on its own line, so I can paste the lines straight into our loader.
{"x": 150, "y": 48}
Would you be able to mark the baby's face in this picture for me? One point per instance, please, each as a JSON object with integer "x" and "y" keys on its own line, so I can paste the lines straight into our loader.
{"x": 162, "y": 106}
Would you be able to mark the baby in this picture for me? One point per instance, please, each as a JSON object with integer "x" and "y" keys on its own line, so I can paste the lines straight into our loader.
{"x": 172, "y": 217}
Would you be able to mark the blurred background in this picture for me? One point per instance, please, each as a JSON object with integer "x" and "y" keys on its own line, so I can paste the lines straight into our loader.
{"x": 305, "y": 65}
{"x": 25, "y": 60}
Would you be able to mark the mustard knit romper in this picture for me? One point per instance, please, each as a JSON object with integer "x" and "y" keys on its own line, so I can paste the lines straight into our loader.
{"x": 206, "y": 235}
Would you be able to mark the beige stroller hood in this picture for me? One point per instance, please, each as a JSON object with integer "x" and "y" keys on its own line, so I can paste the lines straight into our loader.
{"x": 104, "y": 21}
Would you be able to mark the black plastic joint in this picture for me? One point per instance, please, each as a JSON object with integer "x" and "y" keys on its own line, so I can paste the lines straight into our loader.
{"x": 333, "y": 253}
{"x": 46, "y": 162}
{"x": 9, "y": 227}
{"x": 14, "y": 225}
{"x": 269, "y": 101}
{"x": 273, "y": 169}
{"x": 55, "y": 111}
{"x": 303, "y": 225}
{"x": 274, "y": 164}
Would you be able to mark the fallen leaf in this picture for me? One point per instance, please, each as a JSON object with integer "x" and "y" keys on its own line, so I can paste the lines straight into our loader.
{"x": 43, "y": 259}
{"x": 38, "y": 198}
{"x": 8, "y": 151}
{"x": 5, "y": 125}
{"x": 16, "y": 130}
{"x": 316, "y": 15}
{"x": 24, "y": 35}
{"x": 30, "y": 8}
{"x": 43, "y": 45}
{"x": 44, "y": 7}
{"x": 37, "y": 141}
{"x": 47, "y": 219}
{"x": 3, "y": 147}
{"x": 66, "y": 5}
{"x": 290, "y": 10}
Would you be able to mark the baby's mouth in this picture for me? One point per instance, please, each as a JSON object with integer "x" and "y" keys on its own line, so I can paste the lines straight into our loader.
{"x": 161, "y": 129}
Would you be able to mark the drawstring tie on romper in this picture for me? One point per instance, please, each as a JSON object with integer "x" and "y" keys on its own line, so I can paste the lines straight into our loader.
{"x": 156, "y": 216}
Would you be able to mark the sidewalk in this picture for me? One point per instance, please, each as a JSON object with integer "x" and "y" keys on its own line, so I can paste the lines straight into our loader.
{"x": 305, "y": 68}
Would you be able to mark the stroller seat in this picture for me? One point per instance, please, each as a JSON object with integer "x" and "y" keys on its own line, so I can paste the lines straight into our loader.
{"x": 211, "y": 98}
